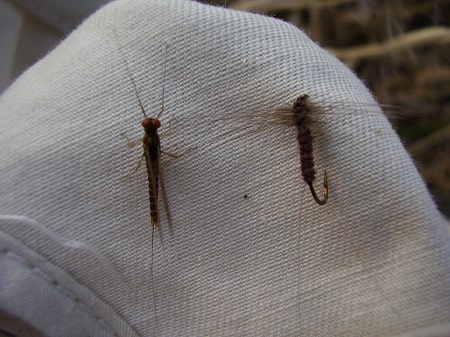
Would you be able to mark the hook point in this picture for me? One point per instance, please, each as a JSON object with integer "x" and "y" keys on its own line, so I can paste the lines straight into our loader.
{"x": 325, "y": 191}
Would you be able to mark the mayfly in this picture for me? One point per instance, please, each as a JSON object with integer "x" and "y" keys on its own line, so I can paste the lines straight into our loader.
{"x": 152, "y": 154}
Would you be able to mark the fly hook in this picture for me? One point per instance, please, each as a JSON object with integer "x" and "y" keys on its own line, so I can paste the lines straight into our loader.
{"x": 325, "y": 190}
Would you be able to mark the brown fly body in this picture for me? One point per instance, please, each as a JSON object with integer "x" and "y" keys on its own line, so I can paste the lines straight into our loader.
{"x": 302, "y": 112}
{"x": 152, "y": 155}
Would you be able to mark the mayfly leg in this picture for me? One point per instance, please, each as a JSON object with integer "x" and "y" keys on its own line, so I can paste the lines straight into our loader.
{"x": 302, "y": 114}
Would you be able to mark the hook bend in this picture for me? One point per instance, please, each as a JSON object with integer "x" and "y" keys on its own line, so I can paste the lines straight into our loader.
{"x": 325, "y": 191}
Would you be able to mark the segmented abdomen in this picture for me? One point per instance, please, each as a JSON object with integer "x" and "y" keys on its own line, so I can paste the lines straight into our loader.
{"x": 304, "y": 139}
{"x": 152, "y": 154}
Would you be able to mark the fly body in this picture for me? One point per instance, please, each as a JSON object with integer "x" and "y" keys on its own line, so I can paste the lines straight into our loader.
{"x": 301, "y": 117}
{"x": 152, "y": 154}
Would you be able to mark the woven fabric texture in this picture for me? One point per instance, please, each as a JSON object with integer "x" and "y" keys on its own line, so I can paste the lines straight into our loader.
{"x": 250, "y": 253}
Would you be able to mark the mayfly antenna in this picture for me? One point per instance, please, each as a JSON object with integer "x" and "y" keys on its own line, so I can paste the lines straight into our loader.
{"x": 130, "y": 75}
{"x": 164, "y": 81}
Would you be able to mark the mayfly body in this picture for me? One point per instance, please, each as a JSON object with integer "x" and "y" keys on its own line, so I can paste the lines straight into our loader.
{"x": 152, "y": 155}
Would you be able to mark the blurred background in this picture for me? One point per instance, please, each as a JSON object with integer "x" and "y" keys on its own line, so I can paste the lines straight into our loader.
{"x": 399, "y": 48}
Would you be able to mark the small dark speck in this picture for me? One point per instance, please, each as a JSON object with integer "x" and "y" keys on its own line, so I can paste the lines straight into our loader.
{"x": 245, "y": 196}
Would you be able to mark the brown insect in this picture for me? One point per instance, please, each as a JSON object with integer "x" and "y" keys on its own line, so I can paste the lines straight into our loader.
{"x": 152, "y": 154}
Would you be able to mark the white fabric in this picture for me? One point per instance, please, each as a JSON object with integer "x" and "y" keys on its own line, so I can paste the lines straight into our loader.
{"x": 373, "y": 261}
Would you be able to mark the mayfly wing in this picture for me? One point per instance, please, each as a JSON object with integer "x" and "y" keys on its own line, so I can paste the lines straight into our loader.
{"x": 166, "y": 203}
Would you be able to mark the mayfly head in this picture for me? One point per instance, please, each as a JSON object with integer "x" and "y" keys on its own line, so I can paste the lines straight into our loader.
{"x": 151, "y": 124}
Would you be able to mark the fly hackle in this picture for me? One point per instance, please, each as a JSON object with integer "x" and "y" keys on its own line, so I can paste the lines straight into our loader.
{"x": 325, "y": 191}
